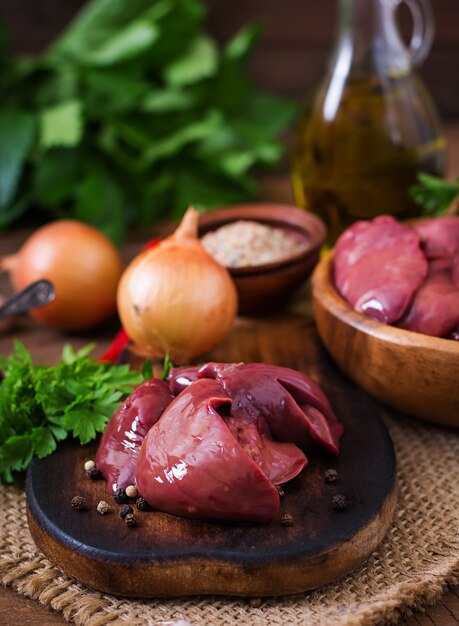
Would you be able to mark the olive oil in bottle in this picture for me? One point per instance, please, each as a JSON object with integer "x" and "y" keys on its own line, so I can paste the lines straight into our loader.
{"x": 372, "y": 126}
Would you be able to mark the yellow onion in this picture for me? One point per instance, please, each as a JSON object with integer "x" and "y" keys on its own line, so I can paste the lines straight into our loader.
{"x": 176, "y": 298}
{"x": 83, "y": 265}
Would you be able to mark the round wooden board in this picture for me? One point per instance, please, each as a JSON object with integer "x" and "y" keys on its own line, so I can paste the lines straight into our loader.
{"x": 169, "y": 556}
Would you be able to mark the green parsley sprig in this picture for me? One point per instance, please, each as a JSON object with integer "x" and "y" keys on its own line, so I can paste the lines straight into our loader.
{"x": 42, "y": 405}
{"x": 133, "y": 113}
{"x": 147, "y": 368}
{"x": 435, "y": 195}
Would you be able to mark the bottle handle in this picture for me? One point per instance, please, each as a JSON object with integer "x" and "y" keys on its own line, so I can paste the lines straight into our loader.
{"x": 423, "y": 30}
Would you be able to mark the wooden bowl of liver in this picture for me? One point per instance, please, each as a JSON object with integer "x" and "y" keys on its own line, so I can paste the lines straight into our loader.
{"x": 408, "y": 371}
{"x": 265, "y": 288}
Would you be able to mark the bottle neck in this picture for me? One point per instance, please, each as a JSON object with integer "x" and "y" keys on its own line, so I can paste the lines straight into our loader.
{"x": 368, "y": 35}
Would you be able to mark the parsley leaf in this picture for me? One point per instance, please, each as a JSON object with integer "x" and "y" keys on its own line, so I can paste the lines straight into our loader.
{"x": 434, "y": 194}
{"x": 61, "y": 125}
{"x": 168, "y": 365}
{"x": 134, "y": 111}
{"x": 17, "y": 133}
{"x": 147, "y": 369}
{"x": 40, "y": 405}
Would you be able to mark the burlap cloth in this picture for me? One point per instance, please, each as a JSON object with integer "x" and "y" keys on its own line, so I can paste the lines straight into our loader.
{"x": 416, "y": 560}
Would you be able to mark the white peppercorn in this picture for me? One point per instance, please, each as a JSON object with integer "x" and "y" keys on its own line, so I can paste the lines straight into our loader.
{"x": 103, "y": 507}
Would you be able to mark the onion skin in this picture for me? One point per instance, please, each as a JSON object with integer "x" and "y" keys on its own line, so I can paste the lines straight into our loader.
{"x": 83, "y": 265}
{"x": 176, "y": 298}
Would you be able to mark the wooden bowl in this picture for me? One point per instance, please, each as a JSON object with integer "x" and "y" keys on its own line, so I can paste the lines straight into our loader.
{"x": 409, "y": 371}
{"x": 262, "y": 289}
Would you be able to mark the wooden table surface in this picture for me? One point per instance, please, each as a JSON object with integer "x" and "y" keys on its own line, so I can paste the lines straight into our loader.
{"x": 45, "y": 344}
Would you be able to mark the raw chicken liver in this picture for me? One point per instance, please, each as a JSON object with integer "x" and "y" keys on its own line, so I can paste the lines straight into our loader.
{"x": 440, "y": 238}
{"x": 381, "y": 270}
{"x": 435, "y": 309}
{"x": 119, "y": 447}
{"x": 218, "y": 450}
{"x": 293, "y": 407}
{"x": 191, "y": 465}
{"x": 229, "y": 437}
{"x": 378, "y": 266}
{"x": 455, "y": 270}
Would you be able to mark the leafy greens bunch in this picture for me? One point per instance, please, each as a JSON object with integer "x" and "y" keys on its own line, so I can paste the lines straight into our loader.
{"x": 133, "y": 112}
{"x": 40, "y": 405}
{"x": 435, "y": 195}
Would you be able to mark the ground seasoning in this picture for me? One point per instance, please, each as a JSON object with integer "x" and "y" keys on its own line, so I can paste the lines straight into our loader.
{"x": 245, "y": 243}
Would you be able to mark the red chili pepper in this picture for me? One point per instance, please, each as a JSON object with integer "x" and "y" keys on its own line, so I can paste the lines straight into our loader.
{"x": 116, "y": 347}
{"x": 151, "y": 244}
{"x": 121, "y": 338}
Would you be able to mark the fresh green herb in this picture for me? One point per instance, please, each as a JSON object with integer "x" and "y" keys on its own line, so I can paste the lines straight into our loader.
{"x": 134, "y": 112}
{"x": 168, "y": 365}
{"x": 40, "y": 406}
{"x": 147, "y": 369}
{"x": 435, "y": 195}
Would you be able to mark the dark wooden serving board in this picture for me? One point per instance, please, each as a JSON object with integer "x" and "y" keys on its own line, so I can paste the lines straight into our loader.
{"x": 167, "y": 556}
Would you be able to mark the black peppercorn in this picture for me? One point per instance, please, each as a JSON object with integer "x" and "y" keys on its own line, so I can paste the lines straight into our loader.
{"x": 79, "y": 503}
{"x": 125, "y": 510}
{"x": 94, "y": 474}
{"x": 142, "y": 504}
{"x": 120, "y": 496}
{"x": 287, "y": 519}
{"x": 339, "y": 502}
{"x": 280, "y": 491}
{"x": 130, "y": 520}
{"x": 331, "y": 475}
{"x": 255, "y": 603}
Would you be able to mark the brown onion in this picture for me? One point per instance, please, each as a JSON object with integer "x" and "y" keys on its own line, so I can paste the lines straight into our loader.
{"x": 176, "y": 298}
{"x": 83, "y": 265}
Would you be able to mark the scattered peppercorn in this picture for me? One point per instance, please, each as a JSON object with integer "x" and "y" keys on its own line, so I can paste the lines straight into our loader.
{"x": 339, "y": 501}
{"x": 125, "y": 510}
{"x": 130, "y": 520}
{"x": 142, "y": 504}
{"x": 94, "y": 474}
{"x": 331, "y": 475}
{"x": 280, "y": 491}
{"x": 120, "y": 496}
{"x": 79, "y": 503}
{"x": 287, "y": 519}
{"x": 103, "y": 507}
{"x": 89, "y": 465}
{"x": 131, "y": 491}
{"x": 255, "y": 603}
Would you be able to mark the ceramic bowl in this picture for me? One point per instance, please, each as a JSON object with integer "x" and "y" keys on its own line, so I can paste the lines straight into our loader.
{"x": 408, "y": 371}
{"x": 263, "y": 289}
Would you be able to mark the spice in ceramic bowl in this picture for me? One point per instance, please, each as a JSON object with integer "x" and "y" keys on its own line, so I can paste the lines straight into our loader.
{"x": 246, "y": 243}
{"x": 266, "y": 286}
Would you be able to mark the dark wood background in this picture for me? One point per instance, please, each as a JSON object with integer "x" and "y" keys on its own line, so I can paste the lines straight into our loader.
{"x": 297, "y": 37}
